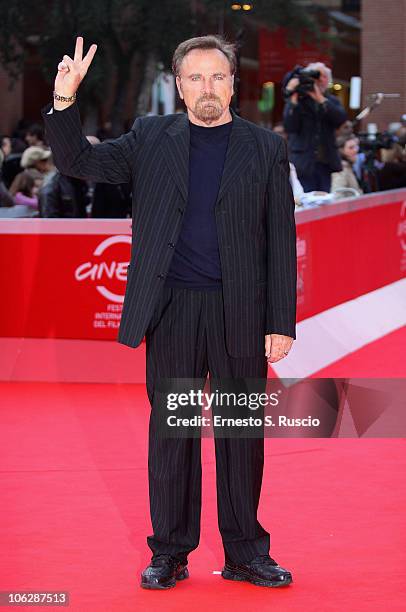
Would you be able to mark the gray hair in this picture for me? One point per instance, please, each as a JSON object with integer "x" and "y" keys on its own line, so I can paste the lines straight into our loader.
{"x": 321, "y": 66}
{"x": 211, "y": 41}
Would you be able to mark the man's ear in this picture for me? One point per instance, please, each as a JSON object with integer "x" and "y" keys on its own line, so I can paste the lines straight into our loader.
{"x": 179, "y": 86}
{"x": 232, "y": 85}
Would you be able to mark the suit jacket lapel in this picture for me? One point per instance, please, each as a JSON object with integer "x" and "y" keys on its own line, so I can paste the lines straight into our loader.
{"x": 239, "y": 155}
{"x": 176, "y": 150}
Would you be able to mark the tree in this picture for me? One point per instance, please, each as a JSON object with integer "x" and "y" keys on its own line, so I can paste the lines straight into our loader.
{"x": 132, "y": 36}
{"x": 127, "y": 32}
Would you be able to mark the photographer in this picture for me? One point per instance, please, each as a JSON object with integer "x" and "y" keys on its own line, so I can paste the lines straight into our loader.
{"x": 381, "y": 164}
{"x": 311, "y": 117}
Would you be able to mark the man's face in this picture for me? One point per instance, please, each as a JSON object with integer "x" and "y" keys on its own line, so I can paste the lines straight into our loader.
{"x": 323, "y": 81}
{"x": 31, "y": 139}
{"x": 43, "y": 165}
{"x": 205, "y": 83}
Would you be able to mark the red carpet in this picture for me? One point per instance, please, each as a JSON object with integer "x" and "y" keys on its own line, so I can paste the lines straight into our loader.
{"x": 383, "y": 358}
{"x": 75, "y": 515}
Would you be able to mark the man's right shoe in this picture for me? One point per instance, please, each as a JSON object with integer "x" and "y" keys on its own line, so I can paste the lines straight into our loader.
{"x": 163, "y": 572}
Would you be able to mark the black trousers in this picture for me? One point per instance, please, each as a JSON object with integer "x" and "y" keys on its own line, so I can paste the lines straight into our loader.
{"x": 186, "y": 339}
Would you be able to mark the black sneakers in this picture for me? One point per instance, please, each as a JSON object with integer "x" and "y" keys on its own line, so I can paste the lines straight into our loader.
{"x": 262, "y": 571}
{"x": 163, "y": 572}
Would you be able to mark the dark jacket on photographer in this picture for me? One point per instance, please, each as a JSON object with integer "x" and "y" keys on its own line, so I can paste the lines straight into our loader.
{"x": 311, "y": 133}
{"x": 63, "y": 197}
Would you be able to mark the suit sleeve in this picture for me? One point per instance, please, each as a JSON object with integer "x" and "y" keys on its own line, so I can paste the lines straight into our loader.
{"x": 281, "y": 249}
{"x": 107, "y": 162}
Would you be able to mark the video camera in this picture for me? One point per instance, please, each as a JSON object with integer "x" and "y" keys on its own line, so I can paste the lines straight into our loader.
{"x": 374, "y": 142}
{"x": 306, "y": 81}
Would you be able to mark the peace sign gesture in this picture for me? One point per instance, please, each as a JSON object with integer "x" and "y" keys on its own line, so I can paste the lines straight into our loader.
{"x": 71, "y": 72}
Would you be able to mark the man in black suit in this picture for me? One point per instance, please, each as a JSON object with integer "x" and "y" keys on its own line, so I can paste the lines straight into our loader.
{"x": 211, "y": 284}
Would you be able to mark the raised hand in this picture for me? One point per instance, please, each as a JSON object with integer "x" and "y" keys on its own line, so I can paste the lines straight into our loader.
{"x": 317, "y": 94}
{"x": 71, "y": 72}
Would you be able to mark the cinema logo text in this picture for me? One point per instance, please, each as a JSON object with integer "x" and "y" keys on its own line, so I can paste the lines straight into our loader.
{"x": 104, "y": 270}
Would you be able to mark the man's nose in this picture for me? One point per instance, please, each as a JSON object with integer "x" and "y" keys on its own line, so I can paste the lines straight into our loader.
{"x": 207, "y": 85}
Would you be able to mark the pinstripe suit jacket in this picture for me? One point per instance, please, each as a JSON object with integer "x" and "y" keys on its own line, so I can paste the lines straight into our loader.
{"x": 254, "y": 215}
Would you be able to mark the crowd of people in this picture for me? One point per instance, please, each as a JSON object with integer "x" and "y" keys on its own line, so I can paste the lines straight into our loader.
{"x": 31, "y": 185}
{"x": 326, "y": 156}
{"x": 325, "y": 153}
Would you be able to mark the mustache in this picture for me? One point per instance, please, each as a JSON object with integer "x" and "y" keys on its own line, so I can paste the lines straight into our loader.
{"x": 209, "y": 99}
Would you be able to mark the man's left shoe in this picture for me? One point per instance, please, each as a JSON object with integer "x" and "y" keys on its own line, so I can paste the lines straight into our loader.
{"x": 262, "y": 571}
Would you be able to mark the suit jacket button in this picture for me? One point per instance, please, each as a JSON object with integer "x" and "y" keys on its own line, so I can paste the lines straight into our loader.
{"x": 180, "y": 210}
{"x": 171, "y": 244}
{"x": 161, "y": 275}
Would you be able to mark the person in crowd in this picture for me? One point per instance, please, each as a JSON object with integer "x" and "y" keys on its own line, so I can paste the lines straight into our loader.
{"x": 296, "y": 185}
{"x": 310, "y": 120}
{"x": 388, "y": 165}
{"x": 64, "y": 197}
{"x": 25, "y": 188}
{"x": 348, "y": 147}
{"x": 397, "y": 152}
{"x": 346, "y": 129}
{"x": 12, "y": 149}
{"x": 392, "y": 173}
{"x": 6, "y": 199}
{"x": 38, "y": 158}
{"x": 6, "y": 146}
{"x": 109, "y": 201}
{"x": 67, "y": 197}
{"x": 35, "y": 136}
